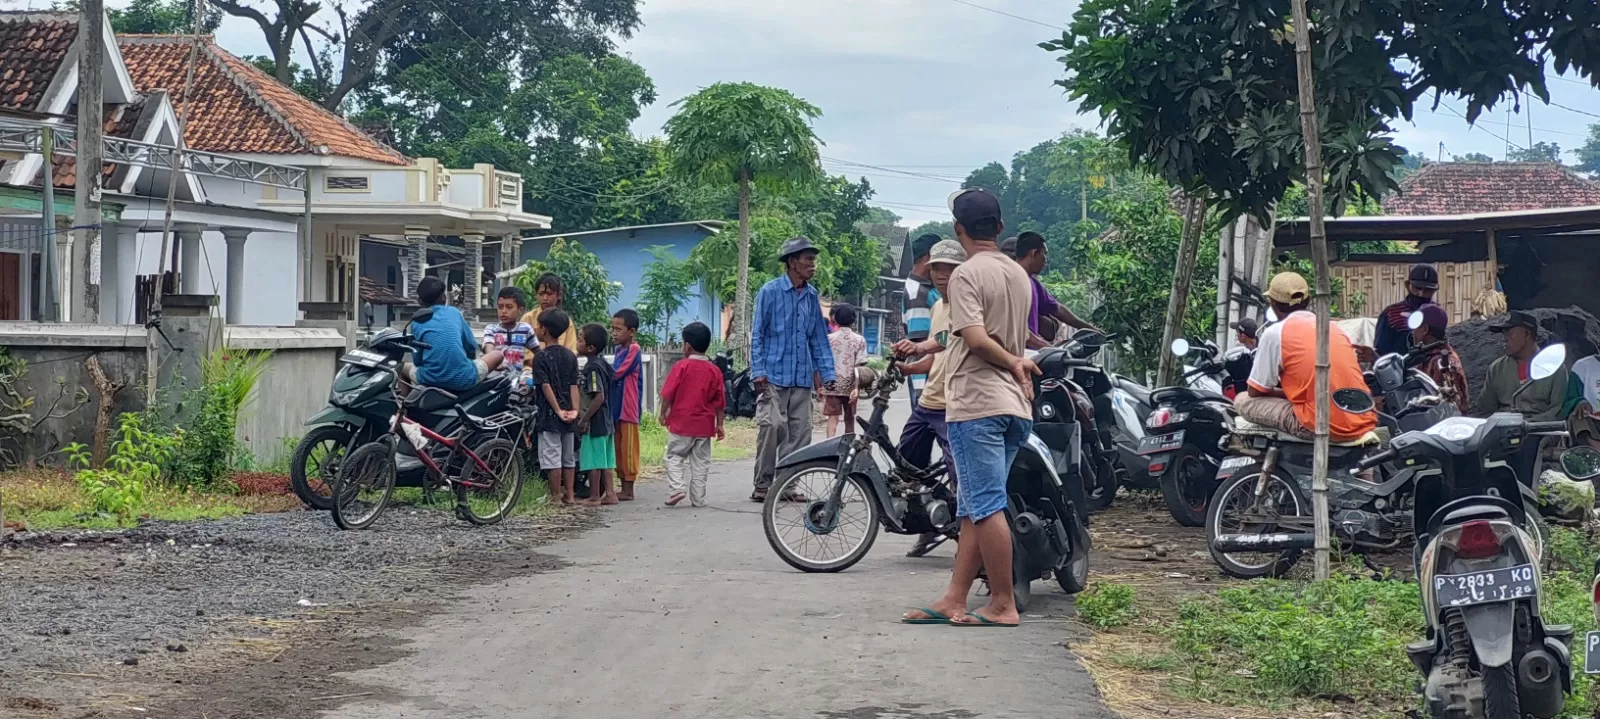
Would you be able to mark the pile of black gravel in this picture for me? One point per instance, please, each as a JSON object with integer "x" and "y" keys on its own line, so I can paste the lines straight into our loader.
{"x": 1479, "y": 346}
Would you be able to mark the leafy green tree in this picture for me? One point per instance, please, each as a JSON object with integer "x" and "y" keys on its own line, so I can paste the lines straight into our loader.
{"x": 664, "y": 291}
{"x": 1589, "y": 152}
{"x": 880, "y": 216}
{"x": 1205, "y": 95}
{"x": 1471, "y": 157}
{"x": 587, "y": 290}
{"x": 157, "y": 17}
{"x": 744, "y": 134}
{"x": 1540, "y": 152}
{"x": 942, "y": 228}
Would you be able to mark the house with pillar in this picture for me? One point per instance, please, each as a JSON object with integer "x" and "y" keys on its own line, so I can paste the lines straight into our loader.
{"x": 276, "y": 198}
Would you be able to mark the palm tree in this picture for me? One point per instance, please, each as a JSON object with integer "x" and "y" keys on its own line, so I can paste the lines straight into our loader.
{"x": 744, "y": 133}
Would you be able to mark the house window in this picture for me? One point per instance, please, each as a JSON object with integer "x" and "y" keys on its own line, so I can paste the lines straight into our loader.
{"x": 392, "y": 275}
{"x": 346, "y": 183}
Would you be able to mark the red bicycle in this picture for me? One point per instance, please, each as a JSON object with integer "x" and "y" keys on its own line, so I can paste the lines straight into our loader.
{"x": 481, "y": 462}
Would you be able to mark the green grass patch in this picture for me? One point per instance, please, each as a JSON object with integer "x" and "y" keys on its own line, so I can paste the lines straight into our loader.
{"x": 1107, "y": 605}
{"x": 740, "y": 442}
{"x": 42, "y": 500}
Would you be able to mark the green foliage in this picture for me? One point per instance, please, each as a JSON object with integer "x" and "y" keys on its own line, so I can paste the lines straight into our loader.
{"x": 1107, "y": 605}
{"x": 1471, "y": 157}
{"x": 157, "y": 17}
{"x": 1205, "y": 94}
{"x": 739, "y": 129}
{"x": 208, "y": 449}
{"x": 942, "y": 228}
{"x": 1339, "y": 305}
{"x": 586, "y": 289}
{"x": 1589, "y": 152}
{"x": 1572, "y": 550}
{"x": 134, "y": 464}
{"x": 1076, "y": 295}
{"x": 1540, "y": 152}
{"x": 1132, "y": 267}
{"x": 1340, "y": 636}
{"x": 665, "y": 289}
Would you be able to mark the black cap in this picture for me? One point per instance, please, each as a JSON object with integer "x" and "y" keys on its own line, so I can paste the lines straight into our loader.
{"x": 1515, "y": 319}
{"x": 974, "y": 206}
{"x": 921, "y": 246}
{"x": 794, "y": 246}
{"x": 1247, "y": 325}
{"x": 1423, "y": 277}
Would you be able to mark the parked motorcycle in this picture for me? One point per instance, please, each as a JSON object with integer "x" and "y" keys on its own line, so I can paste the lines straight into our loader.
{"x": 1120, "y": 408}
{"x": 737, "y": 387}
{"x": 819, "y": 484}
{"x": 1408, "y": 399}
{"x": 1189, "y": 428}
{"x": 360, "y": 407}
{"x": 1488, "y": 653}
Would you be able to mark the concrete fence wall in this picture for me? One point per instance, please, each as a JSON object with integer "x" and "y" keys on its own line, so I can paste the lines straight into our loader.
{"x": 294, "y": 385}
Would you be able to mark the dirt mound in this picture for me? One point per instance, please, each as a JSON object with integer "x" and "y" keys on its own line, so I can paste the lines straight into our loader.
{"x": 1479, "y": 346}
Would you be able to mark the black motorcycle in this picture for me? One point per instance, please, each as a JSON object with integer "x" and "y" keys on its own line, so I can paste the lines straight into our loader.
{"x": 1118, "y": 403}
{"x": 737, "y": 387}
{"x": 360, "y": 407}
{"x": 1188, "y": 431}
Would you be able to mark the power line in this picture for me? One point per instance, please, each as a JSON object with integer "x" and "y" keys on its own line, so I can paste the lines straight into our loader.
{"x": 1471, "y": 124}
{"x": 1574, "y": 109}
{"x": 1009, "y": 15}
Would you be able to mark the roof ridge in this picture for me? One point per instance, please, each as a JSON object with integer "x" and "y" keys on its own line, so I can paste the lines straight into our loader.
{"x": 215, "y": 54}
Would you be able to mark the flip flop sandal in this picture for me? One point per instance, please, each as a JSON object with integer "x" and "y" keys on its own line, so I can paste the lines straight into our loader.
{"x": 923, "y": 547}
{"x": 932, "y": 617}
{"x": 674, "y": 498}
{"x": 758, "y": 497}
{"x": 983, "y": 621}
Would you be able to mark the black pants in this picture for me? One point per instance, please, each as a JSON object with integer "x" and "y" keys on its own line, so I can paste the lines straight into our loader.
{"x": 1526, "y": 461}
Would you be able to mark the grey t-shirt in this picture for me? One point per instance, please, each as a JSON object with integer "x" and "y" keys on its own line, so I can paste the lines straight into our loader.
{"x": 992, "y": 291}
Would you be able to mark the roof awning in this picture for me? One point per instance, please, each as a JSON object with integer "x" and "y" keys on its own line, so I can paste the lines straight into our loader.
{"x": 1446, "y": 228}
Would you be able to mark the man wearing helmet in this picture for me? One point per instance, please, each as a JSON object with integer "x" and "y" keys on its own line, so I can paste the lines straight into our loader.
{"x": 789, "y": 357}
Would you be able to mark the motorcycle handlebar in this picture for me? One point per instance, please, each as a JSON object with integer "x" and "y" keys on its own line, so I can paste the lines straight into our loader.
{"x": 1551, "y": 427}
{"x": 1374, "y": 460}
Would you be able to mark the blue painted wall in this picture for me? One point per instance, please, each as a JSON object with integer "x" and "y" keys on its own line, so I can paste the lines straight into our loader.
{"x": 624, "y": 254}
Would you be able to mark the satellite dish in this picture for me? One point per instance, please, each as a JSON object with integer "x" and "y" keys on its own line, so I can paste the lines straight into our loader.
{"x": 1548, "y": 361}
{"x": 1414, "y": 320}
{"x": 1180, "y": 347}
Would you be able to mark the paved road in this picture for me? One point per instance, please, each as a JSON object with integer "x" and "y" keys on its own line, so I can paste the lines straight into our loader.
{"x": 688, "y": 613}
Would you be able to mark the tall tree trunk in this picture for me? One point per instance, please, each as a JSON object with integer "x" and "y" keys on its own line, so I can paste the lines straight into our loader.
{"x": 1183, "y": 273}
{"x": 1319, "y": 258}
{"x": 739, "y": 333}
{"x": 1226, "y": 239}
{"x": 1083, "y": 200}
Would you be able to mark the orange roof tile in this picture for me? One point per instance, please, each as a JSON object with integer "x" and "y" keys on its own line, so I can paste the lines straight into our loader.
{"x": 32, "y": 47}
{"x": 116, "y": 121}
{"x": 238, "y": 108}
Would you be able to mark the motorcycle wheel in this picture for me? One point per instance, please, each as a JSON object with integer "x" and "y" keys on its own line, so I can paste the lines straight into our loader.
{"x": 1238, "y": 494}
{"x": 1101, "y": 488}
{"x": 1500, "y": 699}
{"x": 314, "y": 464}
{"x": 1074, "y": 576}
{"x": 1021, "y": 582}
{"x": 1187, "y": 491}
{"x": 792, "y": 524}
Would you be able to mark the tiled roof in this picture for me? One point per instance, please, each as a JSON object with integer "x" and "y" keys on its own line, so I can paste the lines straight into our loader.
{"x": 116, "y": 121}
{"x": 238, "y": 108}
{"x": 1460, "y": 188}
{"x": 32, "y": 47}
{"x": 378, "y": 294}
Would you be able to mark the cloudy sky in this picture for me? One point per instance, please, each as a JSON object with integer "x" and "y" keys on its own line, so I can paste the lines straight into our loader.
{"x": 925, "y": 90}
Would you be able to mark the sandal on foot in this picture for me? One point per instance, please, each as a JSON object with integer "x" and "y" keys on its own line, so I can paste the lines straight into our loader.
{"x": 674, "y": 498}
{"x": 983, "y": 621}
{"x": 925, "y": 545}
{"x": 932, "y": 617}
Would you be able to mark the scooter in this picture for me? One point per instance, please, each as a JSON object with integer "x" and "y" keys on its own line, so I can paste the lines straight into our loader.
{"x": 1488, "y": 653}
{"x": 1188, "y": 432}
{"x": 738, "y": 388}
{"x": 1120, "y": 409}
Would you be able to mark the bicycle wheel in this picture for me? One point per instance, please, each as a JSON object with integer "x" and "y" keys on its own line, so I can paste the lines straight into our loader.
{"x": 363, "y": 486}
{"x": 487, "y": 497}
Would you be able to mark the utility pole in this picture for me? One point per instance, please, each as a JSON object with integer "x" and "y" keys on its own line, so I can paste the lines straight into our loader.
{"x": 179, "y": 164}
{"x": 51, "y": 276}
{"x": 90, "y": 160}
{"x": 1324, "y": 290}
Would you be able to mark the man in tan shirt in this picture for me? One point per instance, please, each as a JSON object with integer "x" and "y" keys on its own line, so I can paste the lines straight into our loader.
{"x": 926, "y": 424}
{"x": 988, "y": 407}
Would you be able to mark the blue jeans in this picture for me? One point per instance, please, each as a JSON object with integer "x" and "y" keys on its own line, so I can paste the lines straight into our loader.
{"x": 984, "y": 450}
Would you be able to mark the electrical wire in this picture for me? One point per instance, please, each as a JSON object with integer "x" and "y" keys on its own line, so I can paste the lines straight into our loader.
{"x": 1009, "y": 15}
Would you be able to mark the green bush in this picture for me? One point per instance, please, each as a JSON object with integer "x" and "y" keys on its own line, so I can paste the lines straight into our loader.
{"x": 209, "y": 448}
{"x": 1107, "y": 605}
{"x": 1571, "y": 550}
{"x": 134, "y": 464}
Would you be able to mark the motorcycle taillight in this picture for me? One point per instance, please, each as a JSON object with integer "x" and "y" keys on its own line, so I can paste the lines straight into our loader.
{"x": 1478, "y": 540}
{"x": 1159, "y": 417}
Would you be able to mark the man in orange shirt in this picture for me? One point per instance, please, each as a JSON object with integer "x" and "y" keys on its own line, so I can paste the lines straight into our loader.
{"x": 1282, "y": 387}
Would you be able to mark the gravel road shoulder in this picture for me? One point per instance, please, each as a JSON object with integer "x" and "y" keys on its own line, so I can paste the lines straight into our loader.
{"x": 245, "y": 617}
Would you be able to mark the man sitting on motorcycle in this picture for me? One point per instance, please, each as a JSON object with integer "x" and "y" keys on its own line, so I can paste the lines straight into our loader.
{"x": 1282, "y": 386}
{"x": 1440, "y": 361}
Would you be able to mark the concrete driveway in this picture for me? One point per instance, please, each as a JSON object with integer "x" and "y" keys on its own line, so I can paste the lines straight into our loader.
{"x": 688, "y": 613}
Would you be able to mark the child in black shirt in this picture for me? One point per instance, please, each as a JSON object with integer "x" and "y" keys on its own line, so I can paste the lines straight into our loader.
{"x": 597, "y": 454}
{"x": 555, "y": 376}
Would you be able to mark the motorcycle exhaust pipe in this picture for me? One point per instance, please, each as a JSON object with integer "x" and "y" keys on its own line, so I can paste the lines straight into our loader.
{"x": 1539, "y": 684}
{"x": 1264, "y": 542}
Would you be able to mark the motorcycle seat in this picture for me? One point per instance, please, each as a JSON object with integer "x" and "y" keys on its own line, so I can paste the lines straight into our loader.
{"x": 1244, "y": 426}
{"x": 1139, "y": 392}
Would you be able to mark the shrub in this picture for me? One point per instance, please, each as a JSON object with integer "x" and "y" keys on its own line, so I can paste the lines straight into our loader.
{"x": 209, "y": 447}
{"x": 134, "y": 464}
{"x": 1107, "y": 605}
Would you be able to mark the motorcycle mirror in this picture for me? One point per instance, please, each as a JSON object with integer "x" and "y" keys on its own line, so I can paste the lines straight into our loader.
{"x": 1581, "y": 462}
{"x": 1548, "y": 361}
{"x": 1180, "y": 347}
{"x": 1415, "y": 320}
{"x": 1354, "y": 401}
{"x": 911, "y": 287}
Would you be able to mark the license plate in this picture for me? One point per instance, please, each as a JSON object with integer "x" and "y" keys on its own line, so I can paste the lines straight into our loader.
{"x": 1161, "y": 443}
{"x": 1231, "y": 465}
{"x": 1496, "y": 585}
{"x": 1591, "y": 653}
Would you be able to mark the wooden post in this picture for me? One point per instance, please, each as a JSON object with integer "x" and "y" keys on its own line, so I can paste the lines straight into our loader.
{"x": 1183, "y": 272}
{"x": 90, "y": 163}
{"x": 1319, "y": 258}
{"x": 1225, "y": 244}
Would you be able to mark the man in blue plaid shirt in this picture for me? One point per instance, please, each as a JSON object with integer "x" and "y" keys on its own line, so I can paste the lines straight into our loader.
{"x": 789, "y": 358}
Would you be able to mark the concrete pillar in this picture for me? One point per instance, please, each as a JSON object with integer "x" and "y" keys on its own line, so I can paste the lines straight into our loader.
{"x": 111, "y": 299}
{"x": 416, "y": 260}
{"x": 472, "y": 293}
{"x": 234, "y": 309}
{"x": 65, "y": 277}
{"x": 191, "y": 275}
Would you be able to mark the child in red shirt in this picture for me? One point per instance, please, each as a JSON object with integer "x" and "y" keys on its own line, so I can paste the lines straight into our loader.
{"x": 691, "y": 407}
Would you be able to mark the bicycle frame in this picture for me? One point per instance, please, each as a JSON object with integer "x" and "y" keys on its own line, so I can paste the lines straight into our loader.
{"x": 456, "y": 445}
